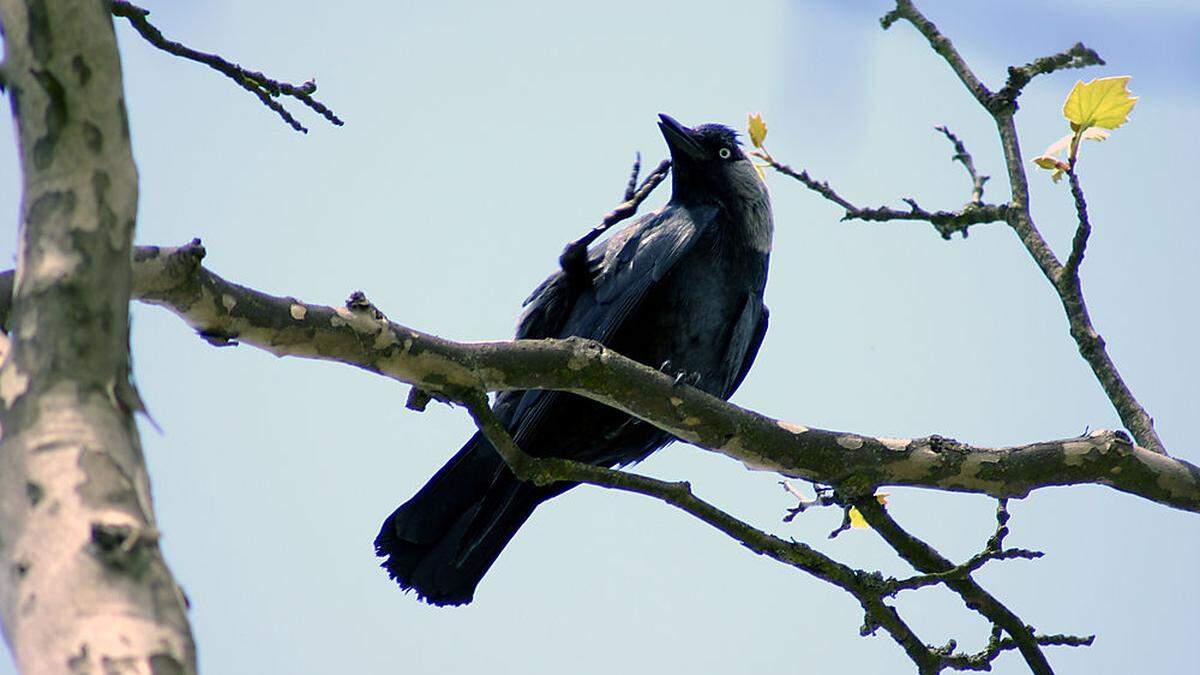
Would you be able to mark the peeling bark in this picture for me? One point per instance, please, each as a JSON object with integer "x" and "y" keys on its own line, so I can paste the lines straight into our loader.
{"x": 84, "y": 588}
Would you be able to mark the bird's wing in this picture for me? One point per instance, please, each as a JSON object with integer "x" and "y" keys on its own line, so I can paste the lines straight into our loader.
{"x": 635, "y": 260}
{"x": 624, "y": 267}
{"x": 744, "y": 341}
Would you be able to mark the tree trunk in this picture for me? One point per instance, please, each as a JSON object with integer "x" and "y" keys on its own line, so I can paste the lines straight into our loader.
{"x": 84, "y": 588}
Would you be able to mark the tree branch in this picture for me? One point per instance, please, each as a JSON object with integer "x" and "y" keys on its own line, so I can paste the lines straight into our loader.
{"x": 940, "y": 44}
{"x": 1078, "y": 56}
{"x": 226, "y": 313}
{"x": 265, "y": 88}
{"x": 968, "y": 162}
{"x": 862, "y": 585}
{"x": 1002, "y": 106}
{"x": 926, "y": 559}
{"x": 1082, "y": 231}
{"x": 992, "y": 550}
{"x": 867, "y": 587}
{"x": 997, "y": 645}
{"x": 945, "y": 222}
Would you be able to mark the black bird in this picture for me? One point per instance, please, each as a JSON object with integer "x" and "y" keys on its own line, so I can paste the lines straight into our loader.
{"x": 680, "y": 288}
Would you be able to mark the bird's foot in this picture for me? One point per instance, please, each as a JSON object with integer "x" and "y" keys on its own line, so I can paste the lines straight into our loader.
{"x": 682, "y": 377}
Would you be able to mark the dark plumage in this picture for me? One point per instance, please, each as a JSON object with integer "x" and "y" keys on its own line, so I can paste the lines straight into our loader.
{"x": 683, "y": 284}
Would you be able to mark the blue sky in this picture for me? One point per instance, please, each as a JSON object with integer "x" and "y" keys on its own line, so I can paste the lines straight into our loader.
{"x": 479, "y": 140}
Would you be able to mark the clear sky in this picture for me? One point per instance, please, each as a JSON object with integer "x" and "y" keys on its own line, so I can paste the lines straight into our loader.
{"x": 482, "y": 137}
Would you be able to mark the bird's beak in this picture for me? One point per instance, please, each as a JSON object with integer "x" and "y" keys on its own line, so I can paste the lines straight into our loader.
{"x": 679, "y": 138}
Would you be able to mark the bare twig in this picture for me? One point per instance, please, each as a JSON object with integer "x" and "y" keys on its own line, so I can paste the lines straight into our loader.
{"x": 982, "y": 660}
{"x": 1083, "y": 230}
{"x": 574, "y": 257}
{"x": 1078, "y": 56}
{"x": 265, "y": 88}
{"x": 926, "y": 559}
{"x": 631, "y": 187}
{"x": 940, "y": 44}
{"x": 961, "y": 155}
{"x": 945, "y": 222}
{"x": 992, "y": 550}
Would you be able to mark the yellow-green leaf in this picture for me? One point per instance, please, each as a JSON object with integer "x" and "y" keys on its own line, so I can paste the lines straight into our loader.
{"x": 1104, "y": 102}
{"x": 1050, "y": 158}
{"x": 856, "y": 518}
{"x": 758, "y": 129}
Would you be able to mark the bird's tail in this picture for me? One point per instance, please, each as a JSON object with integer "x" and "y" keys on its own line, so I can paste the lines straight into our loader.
{"x": 441, "y": 542}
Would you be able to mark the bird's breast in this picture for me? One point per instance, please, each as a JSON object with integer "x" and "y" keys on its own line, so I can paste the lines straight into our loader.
{"x": 688, "y": 316}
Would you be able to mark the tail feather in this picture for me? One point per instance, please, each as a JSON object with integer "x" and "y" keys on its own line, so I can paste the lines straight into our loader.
{"x": 441, "y": 542}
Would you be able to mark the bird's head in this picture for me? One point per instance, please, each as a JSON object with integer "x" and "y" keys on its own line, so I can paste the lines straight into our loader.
{"x": 707, "y": 165}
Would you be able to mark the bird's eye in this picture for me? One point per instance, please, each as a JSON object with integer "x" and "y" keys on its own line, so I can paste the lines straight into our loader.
{"x": 724, "y": 153}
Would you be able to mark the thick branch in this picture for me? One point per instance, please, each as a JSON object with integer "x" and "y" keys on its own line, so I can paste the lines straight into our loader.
{"x": 224, "y": 313}
{"x": 265, "y": 88}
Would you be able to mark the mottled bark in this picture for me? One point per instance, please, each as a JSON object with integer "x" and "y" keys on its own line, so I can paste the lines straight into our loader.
{"x": 84, "y": 588}
{"x": 358, "y": 335}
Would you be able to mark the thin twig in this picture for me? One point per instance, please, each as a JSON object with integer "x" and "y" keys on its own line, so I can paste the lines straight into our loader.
{"x": 265, "y": 88}
{"x": 1082, "y": 231}
{"x": 992, "y": 550}
{"x": 982, "y": 660}
{"x": 631, "y": 187}
{"x": 1078, "y": 56}
{"x": 1091, "y": 345}
{"x": 940, "y": 44}
{"x": 926, "y": 559}
{"x": 968, "y": 162}
{"x": 945, "y": 222}
{"x": 574, "y": 257}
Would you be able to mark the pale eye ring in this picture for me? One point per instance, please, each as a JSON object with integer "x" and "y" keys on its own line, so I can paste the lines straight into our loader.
{"x": 724, "y": 153}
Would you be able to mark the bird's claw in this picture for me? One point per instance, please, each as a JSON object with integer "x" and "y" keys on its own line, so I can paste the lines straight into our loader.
{"x": 682, "y": 377}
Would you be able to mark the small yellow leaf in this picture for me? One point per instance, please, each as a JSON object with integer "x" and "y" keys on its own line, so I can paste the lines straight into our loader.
{"x": 1053, "y": 164}
{"x": 856, "y": 519}
{"x": 1048, "y": 162}
{"x": 758, "y": 129}
{"x": 1103, "y": 102}
{"x": 1050, "y": 158}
